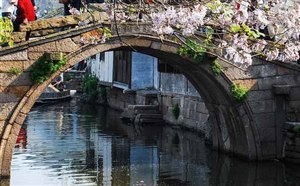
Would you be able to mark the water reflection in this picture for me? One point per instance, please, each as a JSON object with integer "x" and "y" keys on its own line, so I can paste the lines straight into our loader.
{"x": 73, "y": 144}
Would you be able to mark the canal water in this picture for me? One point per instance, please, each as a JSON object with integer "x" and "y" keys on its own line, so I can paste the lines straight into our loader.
{"x": 75, "y": 144}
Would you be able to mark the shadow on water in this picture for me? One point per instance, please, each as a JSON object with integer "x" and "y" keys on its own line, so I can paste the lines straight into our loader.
{"x": 73, "y": 144}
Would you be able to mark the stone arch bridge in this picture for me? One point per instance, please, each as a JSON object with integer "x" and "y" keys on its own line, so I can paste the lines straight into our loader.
{"x": 252, "y": 129}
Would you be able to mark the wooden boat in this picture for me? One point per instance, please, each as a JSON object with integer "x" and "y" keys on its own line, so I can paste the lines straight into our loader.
{"x": 51, "y": 95}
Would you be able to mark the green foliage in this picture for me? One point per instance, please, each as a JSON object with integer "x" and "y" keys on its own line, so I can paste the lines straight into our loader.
{"x": 176, "y": 111}
{"x": 90, "y": 87}
{"x": 239, "y": 92}
{"x": 193, "y": 50}
{"x": 15, "y": 70}
{"x": 43, "y": 68}
{"x": 209, "y": 36}
{"x": 216, "y": 67}
{"x": 102, "y": 92}
{"x": 106, "y": 32}
{"x": 296, "y": 128}
{"x": 6, "y": 30}
{"x": 252, "y": 33}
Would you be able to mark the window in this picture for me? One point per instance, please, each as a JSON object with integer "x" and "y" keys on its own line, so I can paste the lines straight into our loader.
{"x": 166, "y": 68}
{"x": 122, "y": 67}
{"x": 102, "y": 56}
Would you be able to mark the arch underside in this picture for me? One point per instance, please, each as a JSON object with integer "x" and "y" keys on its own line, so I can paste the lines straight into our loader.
{"x": 233, "y": 130}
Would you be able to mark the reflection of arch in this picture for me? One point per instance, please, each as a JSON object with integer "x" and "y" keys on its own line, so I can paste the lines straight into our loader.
{"x": 232, "y": 124}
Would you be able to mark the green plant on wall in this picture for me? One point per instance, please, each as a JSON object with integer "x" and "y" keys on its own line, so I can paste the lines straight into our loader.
{"x": 14, "y": 70}
{"x": 90, "y": 87}
{"x": 193, "y": 50}
{"x": 176, "y": 111}
{"x": 6, "y": 30}
{"x": 216, "y": 67}
{"x": 43, "y": 68}
{"x": 239, "y": 92}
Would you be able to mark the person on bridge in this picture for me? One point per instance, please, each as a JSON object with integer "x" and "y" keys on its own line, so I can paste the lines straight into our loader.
{"x": 25, "y": 13}
{"x": 73, "y": 3}
{"x": 8, "y": 7}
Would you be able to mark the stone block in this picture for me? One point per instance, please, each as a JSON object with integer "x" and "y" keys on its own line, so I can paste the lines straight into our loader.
{"x": 7, "y": 131}
{"x": 267, "y": 134}
{"x": 281, "y": 89}
{"x": 18, "y": 91}
{"x": 264, "y": 120}
{"x": 169, "y": 49}
{"x": 7, "y": 97}
{"x": 47, "y": 47}
{"x": 16, "y": 56}
{"x": 138, "y": 42}
{"x": 268, "y": 149}
{"x": 6, "y": 109}
{"x": 19, "y": 37}
{"x": 295, "y": 93}
{"x": 66, "y": 45}
{"x": 39, "y": 33}
{"x": 234, "y": 73}
{"x": 35, "y": 55}
{"x": 259, "y": 95}
{"x": 156, "y": 45}
{"x": 285, "y": 71}
{"x": 200, "y": 107}
{"x": 266, "y": 70}
{"x": 8, "y": 79}
{"x": 264, "y": 106}
{"x": 251, "y": 84}
{"x": 268, "y": 82}
{"x": 2, "y": 124}
{"x": 6, "y": 66}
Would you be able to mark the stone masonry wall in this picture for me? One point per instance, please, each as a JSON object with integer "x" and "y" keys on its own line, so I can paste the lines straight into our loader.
{"x": 193, "y": 113}
{"x": 292, "y": 141}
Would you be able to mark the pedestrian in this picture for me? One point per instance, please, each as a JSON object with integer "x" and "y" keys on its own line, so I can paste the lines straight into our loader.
{"x": 8, "y": 7}
{"x": 73, "y": 3}
{"x": 25, "y": 13}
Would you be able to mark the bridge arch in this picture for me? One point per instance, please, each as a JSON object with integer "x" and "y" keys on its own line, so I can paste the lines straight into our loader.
{"x": 233, "y": 128}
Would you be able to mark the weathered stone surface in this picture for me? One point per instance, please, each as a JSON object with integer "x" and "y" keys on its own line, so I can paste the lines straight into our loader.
{"x": 18, "y": 91}
{"x": 35, "y": 55}
{"x": 266, "y": 70}
{"x": 169, "y": 49}
{"x": 295, "y": 93}
{"x": 6, "y": 66}
{"x": 66, "y": 45}
{"x": 268, "y": 149}
{"x": 40, "y": 33}
{"x": 6, "y": 109}
{"x": 19, "y": 37}
{"x": 8, "y": 79}
{"x": 137, "y": 42}
{"x": 48, "y": 47}
{"x": 267, "y": 134}
{"x": 265, "y": 106}
{"x": 251, "y": 84}
{"x": 7, "y": 97}
{"x": 282, "y": 89}
{"x": 265, "y": 120}
{"x": 2, "y": 123}
{"x": 17, "y": 56}
{"x": 260, "y": 95}
{"x": 156, "y": 45}
{"x": 64, "y": 21}
{"x": 234, "y": 73}
{"x": 268, "y": 82}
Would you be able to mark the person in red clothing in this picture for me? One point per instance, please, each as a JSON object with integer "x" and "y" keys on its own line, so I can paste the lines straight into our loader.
{"x": 25, "y": 13}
